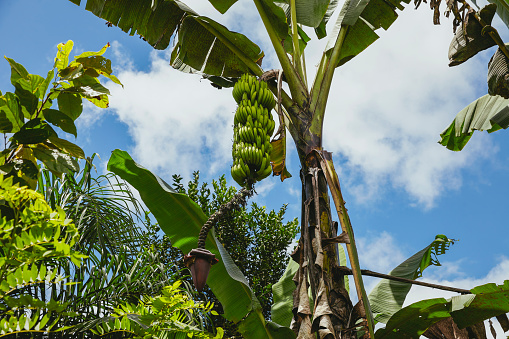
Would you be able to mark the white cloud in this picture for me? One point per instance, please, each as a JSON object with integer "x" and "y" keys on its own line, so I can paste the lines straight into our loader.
{"x": 389, "y": 105}
{"x": 386, "y": 110}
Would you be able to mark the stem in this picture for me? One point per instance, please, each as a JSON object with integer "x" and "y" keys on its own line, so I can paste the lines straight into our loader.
{"x": 321, "y": 94}
{"x": 333, "y": 182}
{"x": 346, "y": 270}
{"x": 238, "y": 200}
{"x": 295, "y": 39}
{"x": 297, "y": 89}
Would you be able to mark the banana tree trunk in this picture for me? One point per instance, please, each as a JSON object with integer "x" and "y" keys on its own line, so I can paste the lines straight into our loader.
{"x": 318, "y": 282}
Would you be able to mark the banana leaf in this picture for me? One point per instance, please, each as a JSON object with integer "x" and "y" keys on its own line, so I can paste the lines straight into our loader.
{"x": 388, "y": 296}
{"x": 158, "y": 22}
{"x": 181, "y": 219}
{"x": 502, "y": 10}
{"x": 363, "y": 18}
{"x": 488, "y": 113}
{"x": 486, "y": 301}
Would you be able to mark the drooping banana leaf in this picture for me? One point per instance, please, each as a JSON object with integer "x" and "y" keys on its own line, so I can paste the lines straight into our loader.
{"x": 363, "y": 17}
{"x": 181, "y": 219}
{"x": 485, "y": 302}
{"x": 159, "y": 21}
{"x": 488, "y": 113}
{"x": 387, "y": 296}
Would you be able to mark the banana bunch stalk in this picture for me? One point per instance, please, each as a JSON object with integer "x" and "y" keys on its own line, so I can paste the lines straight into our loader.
{"x": 253, "y": 126}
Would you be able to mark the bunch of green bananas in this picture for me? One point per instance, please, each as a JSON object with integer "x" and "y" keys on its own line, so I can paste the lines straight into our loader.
{"x": 252, "y": 128}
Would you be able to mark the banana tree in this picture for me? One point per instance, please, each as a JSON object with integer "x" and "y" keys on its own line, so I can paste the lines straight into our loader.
{"x": 204, "y": 46}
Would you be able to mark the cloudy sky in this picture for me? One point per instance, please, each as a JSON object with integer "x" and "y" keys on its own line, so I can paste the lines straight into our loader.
{"x": 386, "y": 111}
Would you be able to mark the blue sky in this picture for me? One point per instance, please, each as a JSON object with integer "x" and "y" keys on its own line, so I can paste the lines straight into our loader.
{"x": 387, "y": 109}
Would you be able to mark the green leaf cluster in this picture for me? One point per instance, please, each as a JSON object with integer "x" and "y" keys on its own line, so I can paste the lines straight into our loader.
{"x": 181, "y": 219}
{"x": 34, "y": 240}
{"x": 28, "y": 114}
{"x": 486, "y": 301}
{"x": 163, "y": 316}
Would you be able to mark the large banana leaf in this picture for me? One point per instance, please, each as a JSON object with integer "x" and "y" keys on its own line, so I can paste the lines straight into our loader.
{"x": 486, "y": 301}
{"x": 488, "y": 113}
{"x": 181, "y": 219}
{"x": 159, "y": 21}
{"x": 388, "y": 296}
{"x": 363, "y": 18}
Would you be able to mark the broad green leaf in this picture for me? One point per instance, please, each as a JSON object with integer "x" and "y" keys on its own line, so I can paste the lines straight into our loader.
{"x": 158, "y": 21}
{"x": 92, "y": 54}
{"x": 55, "y": 161}
{"x": 10, "y": 113}
{"x": 201, "y": 46}
{"x": 45, "y": 85}
{"x": 181, "y": 219}
{"x": 61, "y": 120}
{"x": 320, "y": 29}
{"x": 278, "y": 14}
{"x": 17, "y": 71}
{"x": 255, "y": 327}
{"x": 68, "y": 147}
{"x": 97, "y": 65}
{"x": 311, "y": 13}
{"x": 70, "y": 104}
{"x": 62, "y": 58}
{"x": 33, "y": 132}
{"x": 29, "y": 91}
{"x": 488, "y": 113}
{"x": 87, "y": 86}
{"x": 485, "y": 302}
{"x": 282, "y": 293}
{"x": 222, "y": 5}
{"x": 363, "y": 18}
{"x": 404, "y": 325}
{"x": 490, "y": 301}
{"x": 388, "y": 296}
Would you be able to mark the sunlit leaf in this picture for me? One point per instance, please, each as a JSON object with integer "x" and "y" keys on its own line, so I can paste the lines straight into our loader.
{"x": 55, "y": 160}
{"x": 68, "y": 147}
{"x": 62, "y": 58}
{"x": 388, "y": 296}
{"x": 363, "y": 18}
{"x": 488, "y": 113}
{"x": 11, "y": 115}
{"x": 17, "y": 71}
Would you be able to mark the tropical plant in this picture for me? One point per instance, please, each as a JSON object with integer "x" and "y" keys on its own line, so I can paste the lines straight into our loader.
{"x": 166, "y": 316}
{"x": 28, "y": 112}
{"x": 203, "y": 46}
{"x": 35, "y": 241}
{"x": 257, "y": 241}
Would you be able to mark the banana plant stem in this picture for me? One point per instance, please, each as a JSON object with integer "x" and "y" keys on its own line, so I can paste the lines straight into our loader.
{"x": 321, "y": 87}
{"x": 295, "y": 39}
{"x": 344, "y": 220}
{"x": 297, "y": 89}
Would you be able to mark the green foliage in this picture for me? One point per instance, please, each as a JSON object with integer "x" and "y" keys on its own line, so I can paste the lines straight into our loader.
{"x": 488, "y": 113}
{"x": 164, "y": 316}
{"x": 388, "y": 296}
{"x": 257, "y": 240}
{"x": 181, "y": 219}
{"x": 28, "y": 113}
{"x": 486, "y": 301}
{"x": 35, "y": 240}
